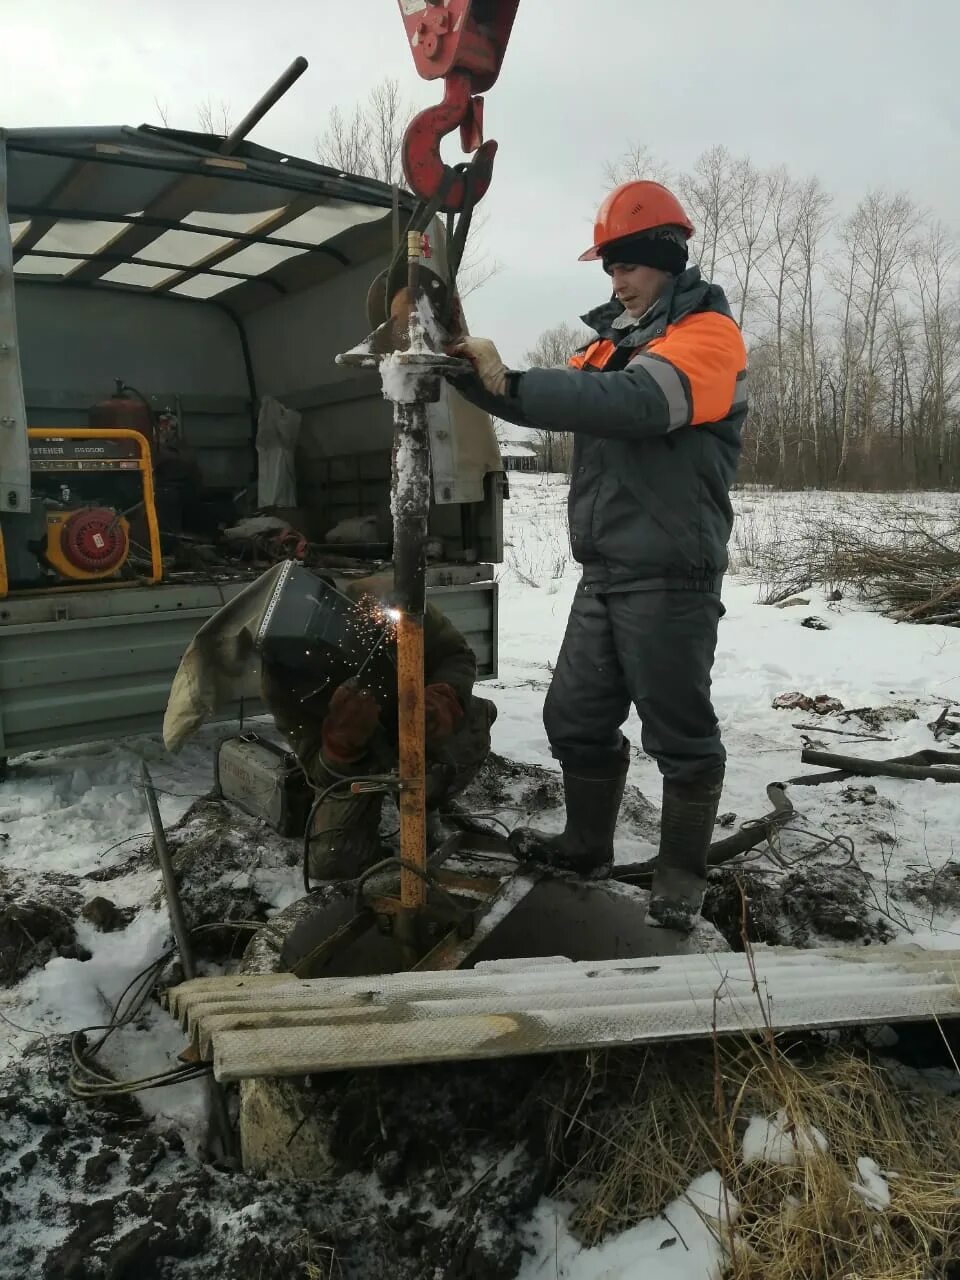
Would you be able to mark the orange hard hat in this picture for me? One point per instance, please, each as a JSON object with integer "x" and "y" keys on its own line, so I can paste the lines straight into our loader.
{"x": 632, "y": 208}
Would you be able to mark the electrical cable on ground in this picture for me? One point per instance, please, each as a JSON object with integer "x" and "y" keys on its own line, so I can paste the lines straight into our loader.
{"x": 87, "y": 1080}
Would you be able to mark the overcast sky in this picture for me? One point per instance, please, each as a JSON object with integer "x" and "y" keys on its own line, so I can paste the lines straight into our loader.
{"x": 859, "y": 92}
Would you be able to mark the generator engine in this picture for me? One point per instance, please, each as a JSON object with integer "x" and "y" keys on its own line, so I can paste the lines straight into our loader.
{"x": 92, "y": 513}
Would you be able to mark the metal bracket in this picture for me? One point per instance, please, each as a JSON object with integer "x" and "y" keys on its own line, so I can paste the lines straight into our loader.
{"x": 14, "y": 450}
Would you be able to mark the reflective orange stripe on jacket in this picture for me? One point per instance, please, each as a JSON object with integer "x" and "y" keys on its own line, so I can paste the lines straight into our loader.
{"x": 707, "y": 349}
{"x": 699, "y": 364}
{"x": 594, "y": 357}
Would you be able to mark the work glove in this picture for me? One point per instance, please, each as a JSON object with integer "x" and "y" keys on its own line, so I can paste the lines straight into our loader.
{"x": 443, "y": 710}
{"x": 348, "y": 726}
{"x": 485, "y": 358}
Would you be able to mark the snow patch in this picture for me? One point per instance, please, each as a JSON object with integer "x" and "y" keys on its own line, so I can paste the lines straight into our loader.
{"x": 681, "y": 1244}
{"x": 872, "y": 1188}
{"x": 779, "y": 1141}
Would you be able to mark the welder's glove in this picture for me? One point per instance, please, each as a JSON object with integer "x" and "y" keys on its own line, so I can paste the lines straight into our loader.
{"x": 349, "y": 724}
{"x": 486, "y": 360}
{"x": 443, "y": 709}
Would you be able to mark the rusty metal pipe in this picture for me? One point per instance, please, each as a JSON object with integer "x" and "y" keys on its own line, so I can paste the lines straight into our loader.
{"x": 260, "y": 108}
{"x": 219, "y": 1111}
{"x": 411, "y": 508}
{"x": 412, "y": 800}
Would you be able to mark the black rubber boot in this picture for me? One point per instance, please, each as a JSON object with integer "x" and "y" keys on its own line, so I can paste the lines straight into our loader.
{"x": 585, "y": 847}
{"x": 687, "y": 820}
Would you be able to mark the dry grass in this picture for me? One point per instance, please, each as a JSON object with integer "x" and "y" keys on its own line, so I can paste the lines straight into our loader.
{"x": 685, "y": 1110}
{"x": 318, "y": 1261}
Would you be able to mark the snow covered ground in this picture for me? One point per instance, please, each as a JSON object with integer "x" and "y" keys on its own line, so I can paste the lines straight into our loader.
{"x": 66, "y": 816}
{"x": 902, "y": 829}
{"x": 863, "y": 659}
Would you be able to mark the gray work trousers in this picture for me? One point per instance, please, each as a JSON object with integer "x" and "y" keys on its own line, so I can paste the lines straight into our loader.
{"x": 653, "y": 649}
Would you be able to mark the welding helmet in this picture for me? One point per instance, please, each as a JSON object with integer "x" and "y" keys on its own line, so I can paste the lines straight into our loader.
{"x": 309, "y": 626}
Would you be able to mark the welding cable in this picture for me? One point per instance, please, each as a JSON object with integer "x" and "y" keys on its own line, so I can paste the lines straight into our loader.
{"x": 459, "y": 817}
{"x": 87, "y": 1079}
{"x": 388, "y": 781}
{"x": 427, "y": 876}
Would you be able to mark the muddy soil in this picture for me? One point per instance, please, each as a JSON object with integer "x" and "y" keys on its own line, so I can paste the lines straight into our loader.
{"x": 436, "y": 1169}
{"x": 518, "y": 791}
{"x": 810, "y": 907}
{"x": 229, "y": 866}
{"x": 37, "y": 923}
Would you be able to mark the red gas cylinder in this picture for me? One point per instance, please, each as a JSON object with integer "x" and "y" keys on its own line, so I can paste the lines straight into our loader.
{"x": 126, "y": 409}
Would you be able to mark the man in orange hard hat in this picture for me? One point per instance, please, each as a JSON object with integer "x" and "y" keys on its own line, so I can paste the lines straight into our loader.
{"x": 655, "y": 403}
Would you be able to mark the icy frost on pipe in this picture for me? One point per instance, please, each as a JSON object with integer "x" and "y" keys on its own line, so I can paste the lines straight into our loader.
{"x": 399, "y": 379}
{"x": 411, "y": 490}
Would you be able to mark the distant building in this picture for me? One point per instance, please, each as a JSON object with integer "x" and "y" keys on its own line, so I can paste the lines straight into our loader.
{"x": 516, "y": 447}
{"x": 517, "y": 457}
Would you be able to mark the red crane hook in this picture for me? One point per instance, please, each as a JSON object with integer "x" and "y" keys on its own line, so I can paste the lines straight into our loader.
{"x": 427, "y": 174}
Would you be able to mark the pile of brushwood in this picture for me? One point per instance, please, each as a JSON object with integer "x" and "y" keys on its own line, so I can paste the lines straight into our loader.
{"x": 904, "y": 560}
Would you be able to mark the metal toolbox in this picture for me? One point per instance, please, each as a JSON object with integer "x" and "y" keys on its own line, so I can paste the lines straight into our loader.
{"x": 265, "y": 780}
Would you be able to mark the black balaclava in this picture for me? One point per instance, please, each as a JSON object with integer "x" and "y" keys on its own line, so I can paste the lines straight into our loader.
{"x": 663, "y": 248}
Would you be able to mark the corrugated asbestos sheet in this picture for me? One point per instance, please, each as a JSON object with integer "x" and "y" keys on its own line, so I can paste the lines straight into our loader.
{"x": 278, "y": 1026}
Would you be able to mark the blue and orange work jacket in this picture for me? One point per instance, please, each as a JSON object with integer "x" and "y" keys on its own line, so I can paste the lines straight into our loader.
{"x": 656, "y": 409}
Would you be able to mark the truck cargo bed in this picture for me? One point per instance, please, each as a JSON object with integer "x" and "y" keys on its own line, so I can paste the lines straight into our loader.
{"x": 78, "y": 666}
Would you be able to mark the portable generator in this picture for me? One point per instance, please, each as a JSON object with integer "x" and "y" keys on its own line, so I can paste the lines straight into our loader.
{"x": 92, "y": 518}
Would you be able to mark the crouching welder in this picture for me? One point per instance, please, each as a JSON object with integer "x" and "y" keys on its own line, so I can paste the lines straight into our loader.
{"x": 655, "y": 404}
{"x": 344, "y": 726}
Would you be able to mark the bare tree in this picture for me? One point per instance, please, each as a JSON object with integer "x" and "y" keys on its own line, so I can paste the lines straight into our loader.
{"x": 876, "y": 239}
{"x": 636, "y": 163}
{"x": 813, "y": 217}
{"x": 934, "y": 259}
{"x": 749, "y": 237}
{"x": 215, "y": 117}
{"x": 887, "y": 224}
{"x": 901, "y": 342}
{"x": 367, "y": 142}
{"x": 709, "y": 194}
{"x": 552, "y": 350}
{"x": 779, "y": 273}
{"x": 477, "y": 265}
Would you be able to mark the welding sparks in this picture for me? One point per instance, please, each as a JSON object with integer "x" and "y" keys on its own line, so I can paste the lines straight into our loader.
{"x": 382, "y": 615}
